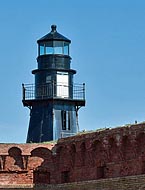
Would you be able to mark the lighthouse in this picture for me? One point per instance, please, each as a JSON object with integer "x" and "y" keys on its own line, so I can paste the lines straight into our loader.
{"x": 55, "y": 99}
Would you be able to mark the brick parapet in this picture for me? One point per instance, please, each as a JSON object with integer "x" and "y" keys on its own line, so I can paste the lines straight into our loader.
{"x": 103, "y": 154}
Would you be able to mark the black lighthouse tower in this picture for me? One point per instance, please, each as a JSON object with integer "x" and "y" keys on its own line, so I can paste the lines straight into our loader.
{"x": 54, "y": 99}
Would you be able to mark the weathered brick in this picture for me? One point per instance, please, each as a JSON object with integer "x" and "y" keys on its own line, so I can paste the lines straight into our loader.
{"x": 112, "y": 158}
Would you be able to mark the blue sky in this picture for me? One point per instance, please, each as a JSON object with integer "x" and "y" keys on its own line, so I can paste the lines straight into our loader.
{"x": 107, "y": 50}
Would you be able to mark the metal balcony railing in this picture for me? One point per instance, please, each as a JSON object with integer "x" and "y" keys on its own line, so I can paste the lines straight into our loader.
{"x": 52, "y": 90}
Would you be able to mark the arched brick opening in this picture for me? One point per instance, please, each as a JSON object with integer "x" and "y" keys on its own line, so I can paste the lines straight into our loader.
{"x": 112, "y": 149}
{"x": 73, "y": 154}
{"x": 83, "y": 153}
{"x": 127, "y": 148}
{"x": 62, "y": 155}
{"x": 14, "y": 151}
{"x": 140, "y": 149}
{"x": 16, "y": 154}
{"x": 41, "y": 152}
{"x": 96, "y": 146}
{"x": 112, "y": 142}
{"x": 140, "y": 143}
{"x": 41, "y": 174}
{"x": 96, "y": 152}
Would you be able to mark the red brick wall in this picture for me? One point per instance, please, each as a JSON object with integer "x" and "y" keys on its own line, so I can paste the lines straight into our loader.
{"x": 120, "y": 183}
{"x": 18, "y": 161}
{"x": 99, "y": 155}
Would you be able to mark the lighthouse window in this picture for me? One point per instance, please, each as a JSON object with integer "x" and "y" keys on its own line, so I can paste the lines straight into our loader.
{"x": 57, "y": 50}
{"x": 58, "y": 47}
{"x": 46, "y": 48}
{"x": 66, "y": 49}
{"x": 48, "y": 79}
{"x": 68, "y": 120}
{"x": 54, "y": 47}
{"x": 62, "y": 85}
{"x": 63, "y": 119}
{"x": 49, "y": 50}
{"x": 41, "y": 50}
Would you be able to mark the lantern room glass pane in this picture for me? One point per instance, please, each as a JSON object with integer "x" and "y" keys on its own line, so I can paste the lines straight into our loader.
{"x": 58, "y": 50}
{"x": 49, "y": 48}
{"x": 41, "y": 49}
{"x": 58, "y": 47}
{"x": 66, "y": 48}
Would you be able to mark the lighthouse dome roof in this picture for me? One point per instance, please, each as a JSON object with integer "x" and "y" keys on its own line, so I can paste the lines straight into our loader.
{"x": 53, "y": 35}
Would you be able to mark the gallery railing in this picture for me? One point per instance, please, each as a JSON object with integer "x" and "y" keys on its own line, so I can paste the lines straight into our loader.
{"x": 52, "y": 90}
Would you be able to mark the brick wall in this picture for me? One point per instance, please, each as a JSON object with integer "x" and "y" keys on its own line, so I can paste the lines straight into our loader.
{"x": 101, "y": 155}
{"x": 120, "y": 183}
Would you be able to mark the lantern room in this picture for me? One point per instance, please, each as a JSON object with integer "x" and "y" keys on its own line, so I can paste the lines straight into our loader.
{"x": 53, "y": 43}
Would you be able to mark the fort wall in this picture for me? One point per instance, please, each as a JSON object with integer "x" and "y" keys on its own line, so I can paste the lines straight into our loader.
{"x": 110, "y": 156}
